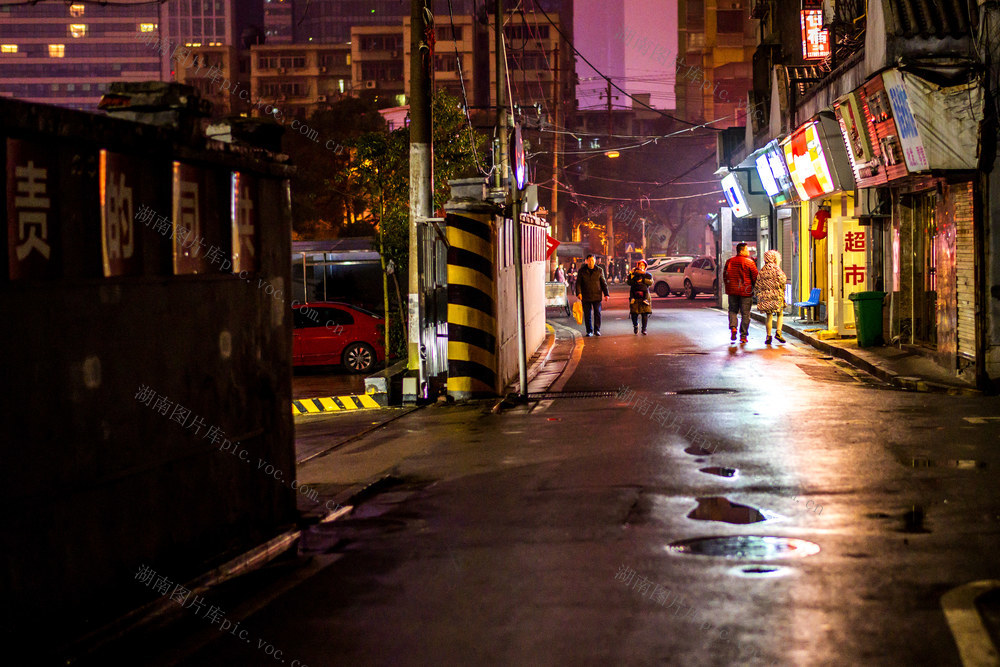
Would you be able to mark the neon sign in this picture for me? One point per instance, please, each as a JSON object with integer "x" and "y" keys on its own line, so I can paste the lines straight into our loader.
{"x": 815, "y": 40}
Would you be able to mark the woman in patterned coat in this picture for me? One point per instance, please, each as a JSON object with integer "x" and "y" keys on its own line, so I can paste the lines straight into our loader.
{"x": 771, "y": 293}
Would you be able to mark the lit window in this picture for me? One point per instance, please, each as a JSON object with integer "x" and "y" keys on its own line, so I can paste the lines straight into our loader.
{"x": 147, "y": 27}
{"x": 78, "y": 30}
{"x": 8, "y": 48}
{"x": 57, "y": 50}
{"x": 76, "y": 9}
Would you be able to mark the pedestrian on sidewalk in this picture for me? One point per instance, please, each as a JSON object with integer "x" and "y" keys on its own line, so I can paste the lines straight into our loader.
{"x": 590, "y": 287}
{"x": 771, "y": 293}
{"x": 740, "y": 276}
{"x": 639, "y": 302}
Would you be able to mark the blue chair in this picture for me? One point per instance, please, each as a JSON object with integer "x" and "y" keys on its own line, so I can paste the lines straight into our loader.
{"x": 813, "y": 302}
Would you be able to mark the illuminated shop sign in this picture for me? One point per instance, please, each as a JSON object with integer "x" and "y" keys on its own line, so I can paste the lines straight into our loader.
{"x": 807, "y": 164}
{"x": 744, "y": 192}
{"x": 773, "y": 174}
{"x": 815, "y": 40}
{"x": 734, "y": 195}
{"x": 817, "y": 158}
{"x": 766, "y": 176}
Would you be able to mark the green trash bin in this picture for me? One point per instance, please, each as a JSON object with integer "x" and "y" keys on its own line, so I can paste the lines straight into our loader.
{"x": 868, "y": 317}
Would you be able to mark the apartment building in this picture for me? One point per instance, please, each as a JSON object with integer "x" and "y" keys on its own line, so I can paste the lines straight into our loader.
{"x": 301, "y": 78}
{"x": 377, "y": 63}
{"x": 67, "y": 53}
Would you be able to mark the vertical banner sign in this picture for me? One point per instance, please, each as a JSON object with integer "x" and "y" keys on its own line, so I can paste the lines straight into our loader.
{"x": 815, "y": 40}
{"x": 31, "y": 223}
{"x": 855, "y": 269}
{"x": 243, "y": 194}
{"x": 189, "y": 215}
{"x": 906, "y": 124}
{"x": 117, "y": 181}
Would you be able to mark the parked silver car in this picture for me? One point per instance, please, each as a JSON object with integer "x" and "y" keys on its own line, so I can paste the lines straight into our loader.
{"x": 700, "y": 277}
{"x": 668, "y": 278}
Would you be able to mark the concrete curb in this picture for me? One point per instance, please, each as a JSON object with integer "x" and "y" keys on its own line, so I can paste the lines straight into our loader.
{"x": 164, "y": 607}
{"x": 540, "y": 359}
{"x": 888, "y": 376}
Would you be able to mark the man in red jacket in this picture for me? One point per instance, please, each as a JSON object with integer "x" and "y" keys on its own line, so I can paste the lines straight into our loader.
{"x": 740, "y": 276}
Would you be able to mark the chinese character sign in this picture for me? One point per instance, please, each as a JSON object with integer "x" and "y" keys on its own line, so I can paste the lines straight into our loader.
{"x": 815, "y": 40}
{"x": 117, "y": 187}
{"x": 31, "y": 223}
{"x": 855, "y": 268}
{"x": 189, "y": 217}
{"x": 906, "y": 124}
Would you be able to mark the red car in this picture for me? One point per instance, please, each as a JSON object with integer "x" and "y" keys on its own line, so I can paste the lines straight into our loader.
{"x": 335, "y": 333}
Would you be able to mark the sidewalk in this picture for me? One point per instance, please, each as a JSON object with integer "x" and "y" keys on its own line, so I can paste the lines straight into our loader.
{"x": 900, "y": 367}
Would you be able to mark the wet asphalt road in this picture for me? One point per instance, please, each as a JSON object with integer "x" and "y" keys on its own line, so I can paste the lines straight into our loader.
{"x": 541, "y": 536}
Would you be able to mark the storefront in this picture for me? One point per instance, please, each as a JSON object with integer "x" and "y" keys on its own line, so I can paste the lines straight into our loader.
{"x": 820, "y": 171}
{"x": 914, "y": 149}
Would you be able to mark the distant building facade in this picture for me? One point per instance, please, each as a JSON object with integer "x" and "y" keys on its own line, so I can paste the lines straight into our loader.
{"x": 67, "y": 53}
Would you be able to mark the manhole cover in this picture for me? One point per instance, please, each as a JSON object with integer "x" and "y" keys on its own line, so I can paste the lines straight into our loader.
{"x": 545, "y": 395}
{"x": 720, "y": 471}
{"x": 750, "y": 547}
{"x": 701, "y": 390}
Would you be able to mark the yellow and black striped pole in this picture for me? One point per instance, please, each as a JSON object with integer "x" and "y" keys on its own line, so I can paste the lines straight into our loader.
{"x": 472, "y": 325}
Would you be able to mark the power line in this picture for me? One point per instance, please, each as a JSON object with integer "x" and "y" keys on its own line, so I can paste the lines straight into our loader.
{"x": 607, "y": 78}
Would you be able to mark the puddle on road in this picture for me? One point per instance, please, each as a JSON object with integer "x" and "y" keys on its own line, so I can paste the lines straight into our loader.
{"x": 913, "y": 520}
{"x": 720, "y": 471}
{"x": 751, "y": 547}
{"x": 695, "y": 450}
{"x": 717, "y": 508}
{"x": 961, "y": 464}
{"x": 759, "y": 571}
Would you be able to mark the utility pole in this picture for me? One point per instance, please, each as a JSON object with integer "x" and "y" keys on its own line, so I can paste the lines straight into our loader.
{"x": 611, "y": 215}
{"x": 500, "y": 179}
{"x": 421, "y": 181}
{"x": 556, "y": 148}
{"x": 503, "y": 183}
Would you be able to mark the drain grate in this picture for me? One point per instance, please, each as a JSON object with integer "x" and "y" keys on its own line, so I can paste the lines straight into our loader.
{"x": 677, "y": 354}
{"x": 700, "y": 391}
{"x": 546, "y": 395}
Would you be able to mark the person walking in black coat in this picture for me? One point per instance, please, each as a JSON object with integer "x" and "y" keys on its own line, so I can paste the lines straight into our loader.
{"x": 590, "y": 287}
{"x": 639, "y": 302}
